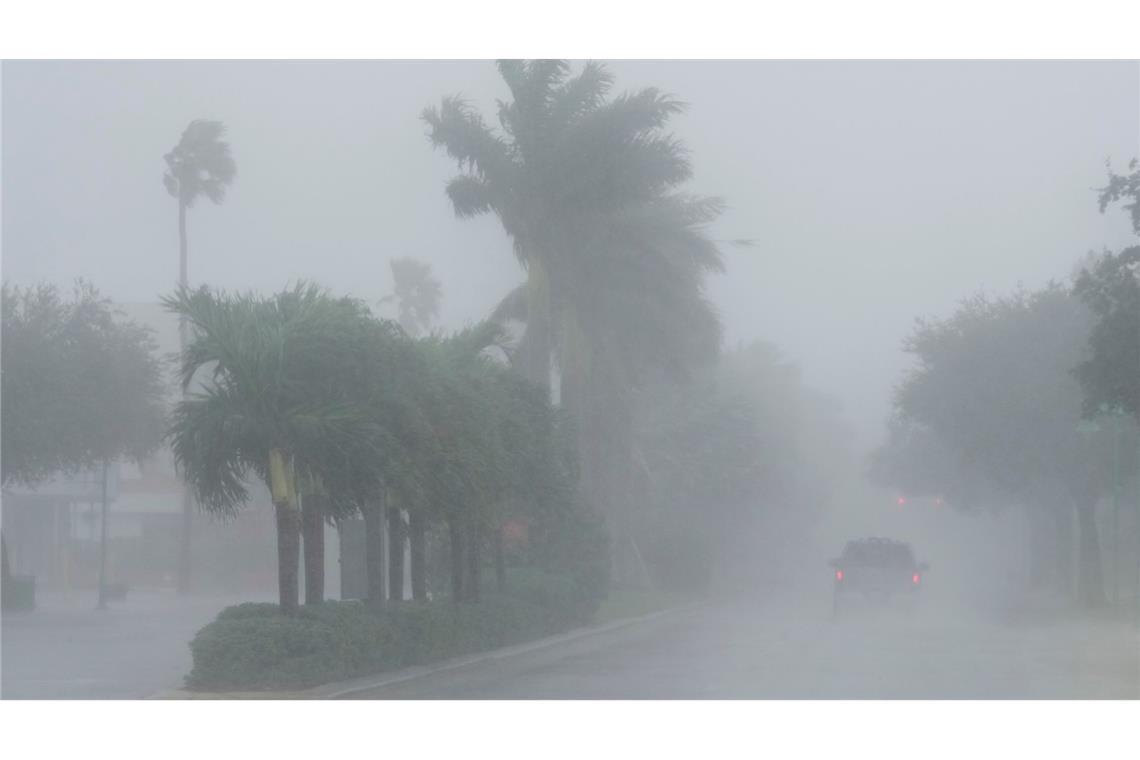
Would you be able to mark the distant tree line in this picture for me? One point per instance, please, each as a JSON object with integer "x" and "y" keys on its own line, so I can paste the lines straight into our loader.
{"x": 1030, "y": 399}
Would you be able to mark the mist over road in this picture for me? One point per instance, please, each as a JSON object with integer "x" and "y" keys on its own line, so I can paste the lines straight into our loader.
{"x": 742, "y": 649}
{"x": 66, "y": 649}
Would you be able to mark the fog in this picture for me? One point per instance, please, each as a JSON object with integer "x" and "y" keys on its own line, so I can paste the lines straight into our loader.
{"x": 859, "y": 198}
{"x": 875, "y": 191}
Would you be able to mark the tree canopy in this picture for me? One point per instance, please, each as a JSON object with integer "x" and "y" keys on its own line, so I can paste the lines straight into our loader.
{"x": 81, "y": 384}
{"x": 200, "y": 164}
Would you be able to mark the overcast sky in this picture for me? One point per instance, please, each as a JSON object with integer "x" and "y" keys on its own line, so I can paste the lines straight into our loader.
{"x": 876, "y": 192}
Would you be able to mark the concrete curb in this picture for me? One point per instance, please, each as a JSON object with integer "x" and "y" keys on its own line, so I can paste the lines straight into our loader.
{"x": 342, "y": 689}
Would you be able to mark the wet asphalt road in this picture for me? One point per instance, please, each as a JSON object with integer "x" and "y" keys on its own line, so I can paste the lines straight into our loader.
{"x": 66, "y": 649}
{"x": 743, "y": 650}
{"x": 728, "y": 649}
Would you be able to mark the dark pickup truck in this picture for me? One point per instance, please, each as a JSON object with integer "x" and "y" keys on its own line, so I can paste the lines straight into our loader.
{"x": 877, "y": 570}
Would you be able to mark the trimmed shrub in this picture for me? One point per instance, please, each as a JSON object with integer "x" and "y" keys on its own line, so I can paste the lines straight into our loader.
{"x": 253, "y": 647}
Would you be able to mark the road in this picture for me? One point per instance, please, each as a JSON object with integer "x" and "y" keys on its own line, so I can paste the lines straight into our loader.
{"x": 66, "y": 649}
{"x": 785, "y": 649}
{"x": 732, "y": 650}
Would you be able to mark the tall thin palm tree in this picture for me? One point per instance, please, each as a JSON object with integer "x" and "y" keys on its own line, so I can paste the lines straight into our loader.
{"x": 199, "y": 165}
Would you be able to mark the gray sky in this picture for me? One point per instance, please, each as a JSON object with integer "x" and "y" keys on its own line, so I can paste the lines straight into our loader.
{"x": 877, "y": 191}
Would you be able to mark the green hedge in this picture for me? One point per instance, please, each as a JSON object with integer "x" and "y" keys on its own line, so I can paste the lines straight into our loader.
{"x": 253, "y": 647}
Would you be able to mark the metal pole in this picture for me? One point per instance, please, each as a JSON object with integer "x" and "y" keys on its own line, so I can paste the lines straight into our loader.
{"x": 103, "y": 546}
{"x": 1116, "y": 508}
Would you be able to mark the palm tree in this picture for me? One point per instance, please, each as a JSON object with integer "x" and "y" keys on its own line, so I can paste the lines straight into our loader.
{"x": 388, "y": 381}
{"x": 567, "y": 159}
{"x": 276, "y": 402}
{"x": 200, "y": 164}
{"x": 417, "y": 294}
{"x": 614, "y": 255}
{"x": 466, "y": 459}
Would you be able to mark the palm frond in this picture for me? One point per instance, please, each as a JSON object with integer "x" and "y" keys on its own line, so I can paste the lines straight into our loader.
{"x": 461, "y": 132}
{"x": 470, "y": 196}
{"x": 200, "y": 164}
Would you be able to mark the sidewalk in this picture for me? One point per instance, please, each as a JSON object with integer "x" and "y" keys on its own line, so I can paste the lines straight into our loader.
{"x": 66, "y": 649}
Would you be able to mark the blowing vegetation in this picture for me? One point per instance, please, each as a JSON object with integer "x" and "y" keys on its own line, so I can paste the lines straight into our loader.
{"x": 454, "y": 440}
{"x": 1030, "y": 400}
{"x": 596, "y": 433}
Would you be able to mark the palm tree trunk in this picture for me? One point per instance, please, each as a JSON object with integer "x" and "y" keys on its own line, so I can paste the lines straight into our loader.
{"x": 374, "y": 550}
{"x": 417, "y": 527}
{"x": 187, "y": 496}
{"x": 102, "y": 603}
{"x": 1090, "y": 578}
{"x": 288, "y": 555}
{"x": 455, "y": 536}
{"x": 538, "y": 326}
{"x": 395, "y": 553}
{"x": 313, "y": 528}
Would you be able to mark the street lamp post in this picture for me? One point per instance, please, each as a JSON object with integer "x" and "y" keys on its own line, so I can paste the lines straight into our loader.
{"x": 1133, "y": 269}
{"x": 1116, "y": 510}
{"x": 103, "y": 546}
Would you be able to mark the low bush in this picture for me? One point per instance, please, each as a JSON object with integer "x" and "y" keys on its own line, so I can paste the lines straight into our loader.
{"x": 253, "y": 647}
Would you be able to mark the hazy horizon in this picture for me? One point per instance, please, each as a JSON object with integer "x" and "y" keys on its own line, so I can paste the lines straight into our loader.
{"x": 875, "y": 192}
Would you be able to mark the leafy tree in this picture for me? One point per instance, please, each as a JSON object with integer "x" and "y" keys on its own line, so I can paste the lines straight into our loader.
{"x": 740, "y": 449}
{"x": 915, "y": 460}
{"x": 1124, "y": 188}
{"x": 276, "y": 401}
{"x": 199, "y": 165}
{"x": 1110, "y": 375}
{"x": 81, "y": 386}
{"x": 994, "y": 384}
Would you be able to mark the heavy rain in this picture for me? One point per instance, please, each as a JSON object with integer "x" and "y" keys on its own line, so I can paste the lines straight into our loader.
{"x": 576, "y": 379}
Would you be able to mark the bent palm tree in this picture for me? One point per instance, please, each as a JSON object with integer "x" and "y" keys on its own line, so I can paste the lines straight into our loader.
{"x": 567, "y": 160}
{"x": 615, "y": 257}
{"x": 200, "y": 164}
{"x": 274, "y": 402}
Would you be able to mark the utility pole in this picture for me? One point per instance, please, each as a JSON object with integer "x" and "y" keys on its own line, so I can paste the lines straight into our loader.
{"x": 1116, "y": 413}
{"x": 102, "y": 605}
{"x": 1136, "y": 413}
